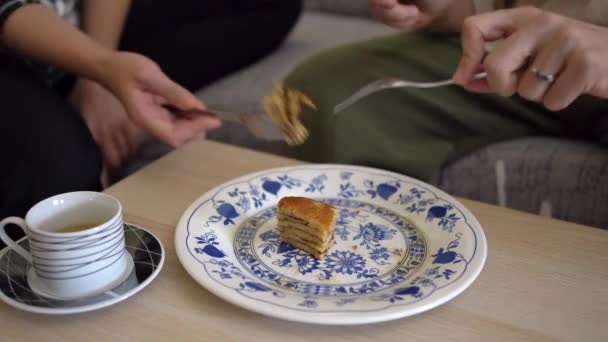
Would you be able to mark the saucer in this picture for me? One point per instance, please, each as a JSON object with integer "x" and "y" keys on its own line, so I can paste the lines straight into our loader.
{"x": 144, "y": 250}
{"x": 37, "y": 286}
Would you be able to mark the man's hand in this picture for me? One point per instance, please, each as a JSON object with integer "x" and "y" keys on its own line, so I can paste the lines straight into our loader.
{"x": 409, "y": 15}
{"x": 544, "y": 57}
{"x": 112, "y": 130}
{"x": 144, "y": 89}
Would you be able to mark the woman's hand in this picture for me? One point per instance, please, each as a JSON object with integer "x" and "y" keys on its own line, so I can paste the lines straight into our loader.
{"x": 544, "y": 57}
{"x": 136, "y": 81}
{"x": 143, "y": 89}
{"x": 409, "y": 15}
{"x": 112, "y": 130}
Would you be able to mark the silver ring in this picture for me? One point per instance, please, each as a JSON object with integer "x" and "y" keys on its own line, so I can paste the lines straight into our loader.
{"x": 543, "y": 77}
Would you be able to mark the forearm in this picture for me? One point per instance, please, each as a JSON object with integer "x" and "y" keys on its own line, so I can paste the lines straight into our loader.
{"x": 104, "y": 20}
{"x": 452, "y": 19}
{"x": 37, "y": 32}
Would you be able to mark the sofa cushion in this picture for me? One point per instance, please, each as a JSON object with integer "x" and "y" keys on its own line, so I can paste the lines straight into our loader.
{"x": 316, "y": 31}
{"x": 555, "y": 177}
{"x": 243, "y": 90}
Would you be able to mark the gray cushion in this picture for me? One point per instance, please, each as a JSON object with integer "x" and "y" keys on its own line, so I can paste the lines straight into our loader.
{"x": 559, "y": 178}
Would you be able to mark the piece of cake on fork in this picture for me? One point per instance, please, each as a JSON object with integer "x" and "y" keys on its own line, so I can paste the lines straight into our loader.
{"x": 307, "y": 224}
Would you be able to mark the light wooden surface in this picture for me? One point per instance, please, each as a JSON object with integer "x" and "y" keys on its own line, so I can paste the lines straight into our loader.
{"x": 543, "y": 279}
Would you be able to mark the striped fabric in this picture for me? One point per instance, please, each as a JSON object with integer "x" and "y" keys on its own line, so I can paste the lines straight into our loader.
{"x": 7, "y": 8}
{"x": 68, "y": 9}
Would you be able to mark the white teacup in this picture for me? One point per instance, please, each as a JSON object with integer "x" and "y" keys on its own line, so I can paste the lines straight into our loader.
{"x": 77, "y": 245}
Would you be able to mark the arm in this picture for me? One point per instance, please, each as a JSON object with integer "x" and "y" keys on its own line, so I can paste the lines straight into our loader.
{"x": 104, "y": 20}
{"x": 58, "y": 43}
{"x": 136, "y": 81}
{"x": 112, "y": 130}
{"x": 61, "y": 44}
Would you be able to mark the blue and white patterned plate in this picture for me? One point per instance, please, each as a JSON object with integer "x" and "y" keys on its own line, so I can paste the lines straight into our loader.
{"x": 402, "y": 246}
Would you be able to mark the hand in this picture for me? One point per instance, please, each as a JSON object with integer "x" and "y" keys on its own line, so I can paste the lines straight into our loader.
{"x": 112, "y": 130}
{"x": 409, "y": 15}
{"x": 144, "y": 89}
{"x": 536, "y": 43}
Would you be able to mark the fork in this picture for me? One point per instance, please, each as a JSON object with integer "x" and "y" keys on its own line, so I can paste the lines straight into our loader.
{"x": 390, "y": 83}
{"x": 257, "y": 124}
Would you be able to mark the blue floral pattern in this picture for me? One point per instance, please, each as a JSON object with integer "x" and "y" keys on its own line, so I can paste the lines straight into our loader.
{"x": 381, "y": 256}
{"x": 345, "y": 262}
{"x": 316, "y": 184}
{"x": 373, "y": 252}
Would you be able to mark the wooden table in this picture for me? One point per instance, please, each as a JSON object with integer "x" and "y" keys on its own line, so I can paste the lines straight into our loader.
{"x": 543, "y": 279}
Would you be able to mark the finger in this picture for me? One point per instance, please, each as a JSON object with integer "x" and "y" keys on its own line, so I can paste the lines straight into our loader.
{"x": 128, "y": 139}
{"x": 549, "y": 60}
{"x": 159, "y": 99}
{"x": 476, "y": 31}
{"x": 175, "y": 94}
{"x": 396, "y": 15}
{"x": 507, "y": 58}
{"x": 406, "y": 25}
{"x": 174, "y": 130}
{"x": 478, "y": 85}
{"x": 105, "y": 177}
{"x": 401, "y": 13}
{"x": 567, "y": 88}
{"x": 152, "y": 117}
{"x": 207, "y": 123}
{"x": 130, "y": 133}
{"x": 96, "y": 133}
{"x": 110, "y": 151}
{"x": 122, "y": 144}
{"x": 388, "y": 4}
{"x": 157, "y": 121}
{"x": 185, "y": 130}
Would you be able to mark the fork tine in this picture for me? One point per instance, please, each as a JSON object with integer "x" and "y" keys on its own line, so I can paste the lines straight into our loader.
{"x": 361, "y": 93}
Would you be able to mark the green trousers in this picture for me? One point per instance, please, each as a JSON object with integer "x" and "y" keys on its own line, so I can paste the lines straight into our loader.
{"x": 417, "y": 131}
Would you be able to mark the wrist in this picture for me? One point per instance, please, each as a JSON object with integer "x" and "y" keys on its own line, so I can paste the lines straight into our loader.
{"x": 100, "y": 64}
{"x": 84, "y": 92}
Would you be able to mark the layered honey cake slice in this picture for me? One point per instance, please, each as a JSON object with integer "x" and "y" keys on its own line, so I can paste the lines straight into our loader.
{"x": 307, "y": 224}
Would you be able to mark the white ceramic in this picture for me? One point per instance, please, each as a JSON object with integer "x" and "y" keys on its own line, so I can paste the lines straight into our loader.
{"x": 76, "y": 264}
{"x": 401, "y": 246}
{"x": 145, "y": 249}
